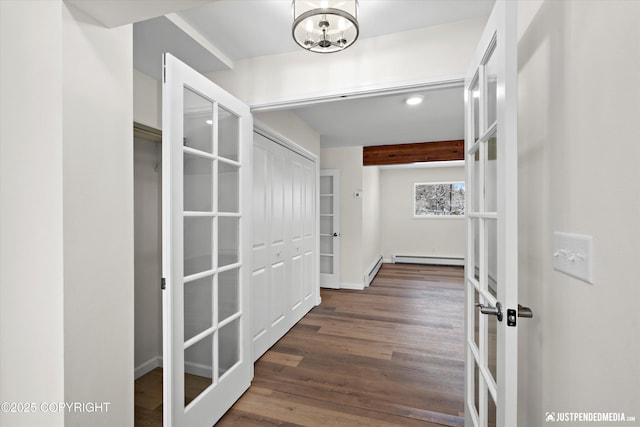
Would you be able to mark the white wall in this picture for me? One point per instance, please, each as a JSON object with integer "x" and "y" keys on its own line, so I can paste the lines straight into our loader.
{"x": 67, "y": 300}
{"x": 402, "y": 234}
{"x": 148, "y": 253}
{"x": 147, "y": 100}
{"x": 428, "y": 54}
{"x": 147, "y": 109}
{"x": 31, "y": 226}
{"x": 98, "y": 218}
{"x": 292, "y": 127}
{"x": 579, "y": 103}
{"x": 371, "y": 246}
{"x": 349, "y": 162}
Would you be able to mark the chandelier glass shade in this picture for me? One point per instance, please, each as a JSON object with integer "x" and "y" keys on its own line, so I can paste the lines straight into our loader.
{"x": 325, "y": 26}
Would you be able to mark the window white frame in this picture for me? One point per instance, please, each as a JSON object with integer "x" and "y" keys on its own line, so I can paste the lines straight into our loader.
{"x": 449, "y": 216}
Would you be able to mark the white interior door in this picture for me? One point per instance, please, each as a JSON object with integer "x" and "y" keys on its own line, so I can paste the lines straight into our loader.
{"x": 269, "y": 279}
{"x": 330, "y": 228}
{"x": 207, "y": 137}
{"x": 284, "y": 240}
{"x": 491, "y": 273}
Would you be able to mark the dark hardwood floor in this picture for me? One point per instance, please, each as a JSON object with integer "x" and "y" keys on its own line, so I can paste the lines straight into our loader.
{"x": 391, "y": 355}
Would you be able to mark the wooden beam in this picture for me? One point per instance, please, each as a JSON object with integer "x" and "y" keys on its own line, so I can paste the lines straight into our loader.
{"x": 413, "y": 153}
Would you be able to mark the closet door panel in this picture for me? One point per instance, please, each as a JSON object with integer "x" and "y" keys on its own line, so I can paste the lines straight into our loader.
{"x": 309, "y": 233}
{"x": 297, "y": 237}
{"x": 277, "y": 242}
{"x": 260, "y": 282}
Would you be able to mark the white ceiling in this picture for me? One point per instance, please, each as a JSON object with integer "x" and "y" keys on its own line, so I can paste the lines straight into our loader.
{"x": 240, "y": 29}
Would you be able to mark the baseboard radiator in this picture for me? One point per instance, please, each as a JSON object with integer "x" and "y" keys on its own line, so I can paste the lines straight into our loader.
{"x": 427, "y": 260}
{"x": 372, "y": 272}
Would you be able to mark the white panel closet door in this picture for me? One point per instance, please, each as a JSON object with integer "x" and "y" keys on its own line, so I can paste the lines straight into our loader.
{"x": 296, "y": 236}
{"x": 261, "y": 266}
{"x": 309, "y": 250}
{"x": 284, "y": 244}
{"x": 279, "y": 207}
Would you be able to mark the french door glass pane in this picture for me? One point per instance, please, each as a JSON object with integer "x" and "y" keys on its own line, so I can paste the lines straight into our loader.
{"x": 491, "y": 73}
{"x": 491, "y": 177}
{"x": 198, "y": 373}
{"x": 229, "y": 347}
{"x": 476, "y": 319}
{"x": 198, "y": 183}
{"x": 228, "y": 188}
{"x": 475, "y": 105}
{"x": 198, "y": 306}
{"x": 326, "y": 225}
{"x": 326, "y": 205}
{"x": 228, "y": 240}
{"x": 491, "y": 233}
{"x": 476, "y": 183}
{"x": 198, "y": 250}
{"x": 476, "y": 387}
{"x": 228, "y": 293}
{"x": 475, "y": 265}
{"x": 326, "y": 264}
{"x": 326, "y": 185}
{"x": 492, "y": 325}
{"x": 198, "y": 122}
{"x": 228, "y": 134}
{"x": 491, "y": 411}
{"x": 326, "y": 245}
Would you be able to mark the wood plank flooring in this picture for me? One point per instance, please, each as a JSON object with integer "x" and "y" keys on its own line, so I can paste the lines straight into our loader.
{"x": 391, "y": 355}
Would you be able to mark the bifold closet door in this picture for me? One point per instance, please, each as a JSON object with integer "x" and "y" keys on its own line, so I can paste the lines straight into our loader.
{"x": 284, "y": 240}
{"x": 269, "y": 279}
{"x": 302, "y": 235}
{"x": 260, "y": 273}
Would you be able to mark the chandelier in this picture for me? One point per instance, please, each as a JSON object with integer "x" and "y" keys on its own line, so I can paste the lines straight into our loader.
{"x": 325, "y": 26}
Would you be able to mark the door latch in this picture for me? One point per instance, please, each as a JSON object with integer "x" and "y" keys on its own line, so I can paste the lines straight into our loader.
{"x": 522, "y": 312}
{"x": 495, "y": 311}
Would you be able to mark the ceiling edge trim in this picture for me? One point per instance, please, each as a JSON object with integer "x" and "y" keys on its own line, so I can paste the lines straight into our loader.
{"x": 387, "y": 89}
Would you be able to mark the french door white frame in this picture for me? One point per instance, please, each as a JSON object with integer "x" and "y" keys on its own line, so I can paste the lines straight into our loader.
{"x": 330, "y": 280}
{"x": 228, "y": 383}
{"x": 492, "y": 227}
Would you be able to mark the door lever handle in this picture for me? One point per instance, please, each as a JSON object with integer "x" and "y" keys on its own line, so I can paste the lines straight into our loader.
{"x": 495, "y": 311}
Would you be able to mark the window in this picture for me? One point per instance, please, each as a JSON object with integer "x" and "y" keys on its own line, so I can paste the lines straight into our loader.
{"x": 438, "y": 199}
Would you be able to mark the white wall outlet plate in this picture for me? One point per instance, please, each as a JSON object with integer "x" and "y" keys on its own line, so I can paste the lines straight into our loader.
{"x": 573, "y": 255}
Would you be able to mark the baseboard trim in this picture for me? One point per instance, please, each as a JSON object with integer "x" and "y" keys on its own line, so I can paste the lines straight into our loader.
{"x": 148, "y": 366}
{"x": 373, "y": 270}
{"x": 197, "y": 369}
{"x": 352, "y": 286}
{"x": 428, "y": 260}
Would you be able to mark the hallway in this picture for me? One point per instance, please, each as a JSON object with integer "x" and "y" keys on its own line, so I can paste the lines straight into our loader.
{"x": 389, "y": 355}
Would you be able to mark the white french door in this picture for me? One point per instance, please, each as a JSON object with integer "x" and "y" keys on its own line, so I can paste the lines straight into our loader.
{"x": 491, "y": 273}
{"x": 330, "y": 228}
{"x": 207, "y": 137}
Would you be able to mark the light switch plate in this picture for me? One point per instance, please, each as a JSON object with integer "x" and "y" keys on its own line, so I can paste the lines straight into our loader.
{"x": 573, "y": 255}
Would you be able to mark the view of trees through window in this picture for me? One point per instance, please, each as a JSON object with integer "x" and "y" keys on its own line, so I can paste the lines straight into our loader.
{"x": 439, "y": 199}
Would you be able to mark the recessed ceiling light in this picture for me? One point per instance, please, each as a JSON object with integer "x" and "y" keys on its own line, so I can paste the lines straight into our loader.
{"x": 209, "y": 122}
{"x": 414, "y": 99}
